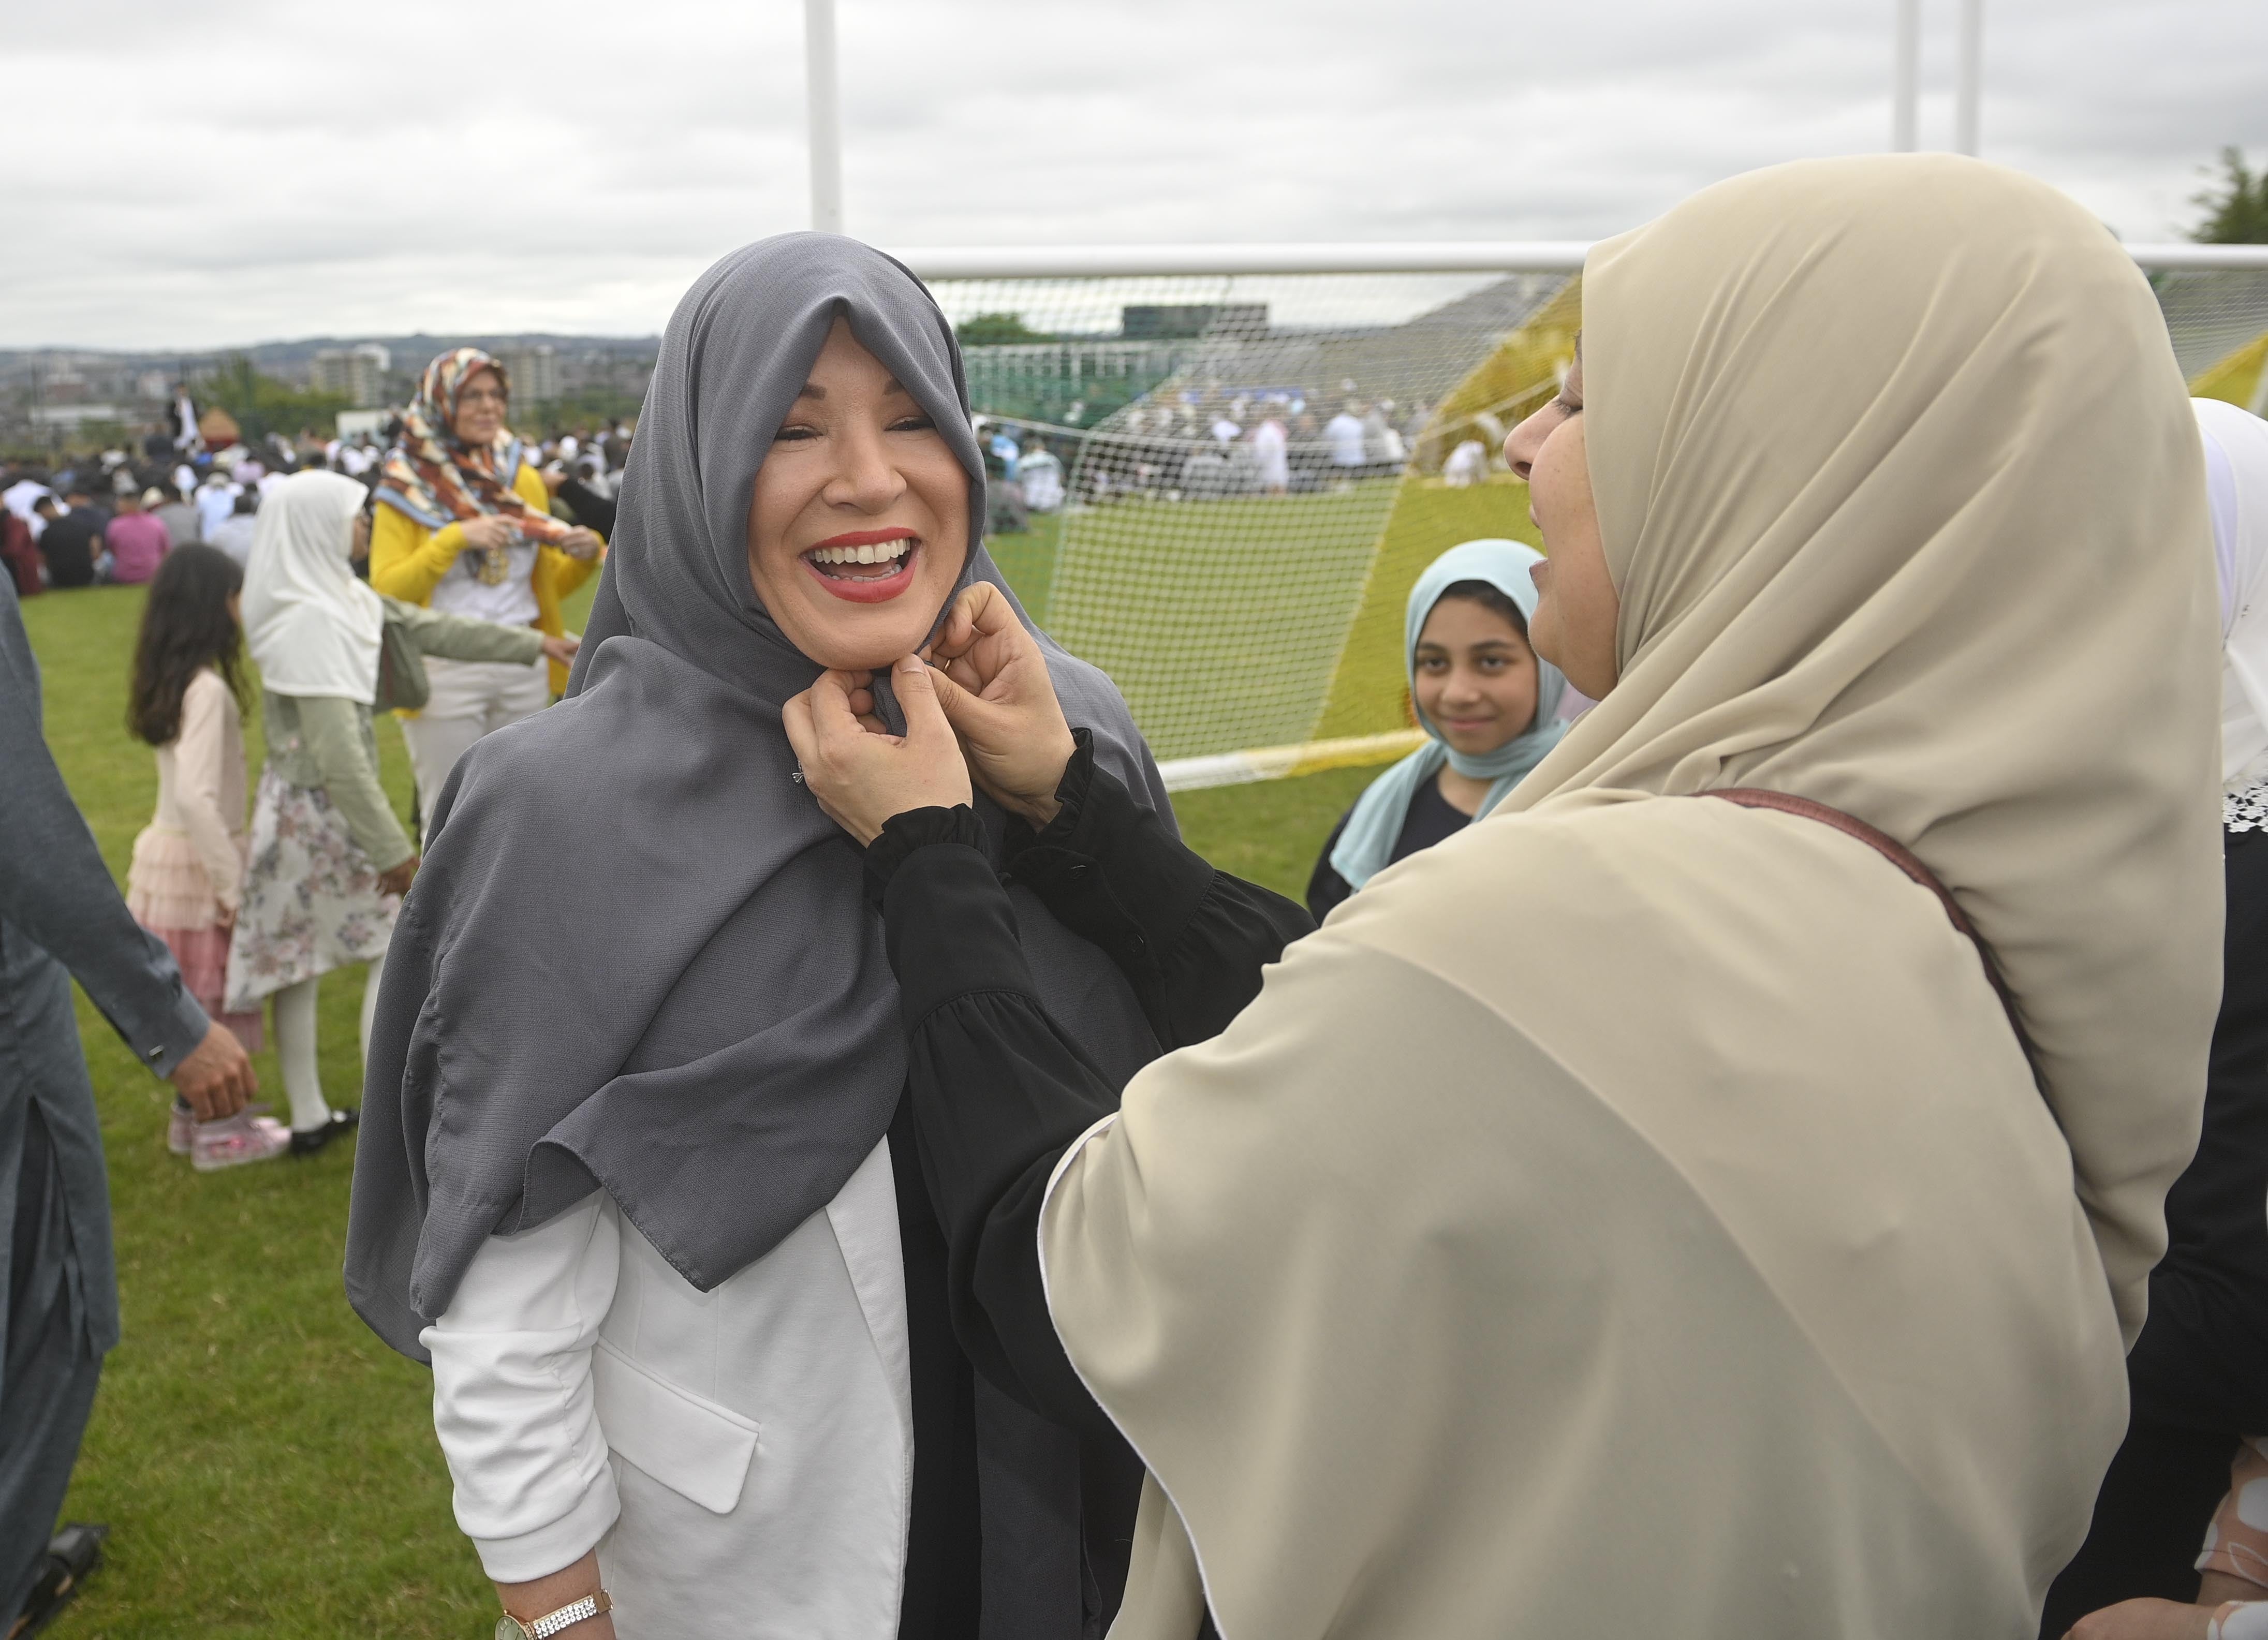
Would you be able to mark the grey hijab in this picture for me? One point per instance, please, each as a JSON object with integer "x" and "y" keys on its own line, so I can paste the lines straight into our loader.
{"x": 637, "y": 958}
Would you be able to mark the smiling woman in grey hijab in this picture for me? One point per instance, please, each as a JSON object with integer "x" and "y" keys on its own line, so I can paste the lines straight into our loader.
{"x": 635, "y": 1175}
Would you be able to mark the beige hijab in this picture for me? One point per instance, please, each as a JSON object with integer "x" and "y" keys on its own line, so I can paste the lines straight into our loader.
{"x": 1637, "y": 1215}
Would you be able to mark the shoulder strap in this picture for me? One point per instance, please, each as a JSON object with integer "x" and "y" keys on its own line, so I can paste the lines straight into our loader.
{"x": 1904, "y": 858}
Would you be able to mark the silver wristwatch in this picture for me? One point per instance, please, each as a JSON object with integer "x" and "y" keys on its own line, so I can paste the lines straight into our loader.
{"x": 510, "y": 1628}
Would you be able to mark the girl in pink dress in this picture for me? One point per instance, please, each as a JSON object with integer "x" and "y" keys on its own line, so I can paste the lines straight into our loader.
{"x": 187, "y": 877}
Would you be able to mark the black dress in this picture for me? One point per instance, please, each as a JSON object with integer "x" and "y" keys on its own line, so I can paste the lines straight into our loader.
{"x": 2198, "y": 1377}
{"x": 1431, "y": 818}
{"x": 995, "y": 1095}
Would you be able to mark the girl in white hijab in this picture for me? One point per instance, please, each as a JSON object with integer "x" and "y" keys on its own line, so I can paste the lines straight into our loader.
{"x": 328, "y": 861}
{"x": 1641, "y": 1216}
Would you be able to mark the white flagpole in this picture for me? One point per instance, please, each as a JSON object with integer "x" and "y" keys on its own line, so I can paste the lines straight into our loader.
{"x": 1970, "y": 92}
{"x": 1905, "y": 80}
{"x": 823, "y": 106}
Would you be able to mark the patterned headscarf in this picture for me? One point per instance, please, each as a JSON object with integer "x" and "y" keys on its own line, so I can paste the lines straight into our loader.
{"x": 437, "y": 479}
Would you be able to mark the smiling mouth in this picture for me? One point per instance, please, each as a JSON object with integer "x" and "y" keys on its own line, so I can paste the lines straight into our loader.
{"x": 865, "y": 566}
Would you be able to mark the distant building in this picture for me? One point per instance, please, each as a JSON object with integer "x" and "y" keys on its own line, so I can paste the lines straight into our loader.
{"x": 357, "y": 373}
{"x": 1186, "y": 320}
{"x": 71, "y": 417}
{"x": 535, "y": 373}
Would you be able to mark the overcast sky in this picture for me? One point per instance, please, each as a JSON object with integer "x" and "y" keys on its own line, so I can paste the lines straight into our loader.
{"x": 238, "y": 171}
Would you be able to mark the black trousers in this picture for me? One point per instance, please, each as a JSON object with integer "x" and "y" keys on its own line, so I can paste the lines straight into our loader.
{"x": 2198, "y": 1374}
{"x": 51, "y": 1367}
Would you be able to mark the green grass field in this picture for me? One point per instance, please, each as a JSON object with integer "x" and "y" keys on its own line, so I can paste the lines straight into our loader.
{"x": 267, "y": 1467}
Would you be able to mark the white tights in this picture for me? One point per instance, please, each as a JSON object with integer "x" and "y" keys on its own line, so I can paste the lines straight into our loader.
{"x": 295, "y": 1045}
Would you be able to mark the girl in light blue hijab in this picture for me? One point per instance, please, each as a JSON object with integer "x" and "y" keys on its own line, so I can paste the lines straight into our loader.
{"x": 1488, "y": 706}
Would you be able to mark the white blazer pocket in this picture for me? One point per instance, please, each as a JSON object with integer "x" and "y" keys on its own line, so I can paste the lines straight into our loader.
{"x": 690, "y": 1444}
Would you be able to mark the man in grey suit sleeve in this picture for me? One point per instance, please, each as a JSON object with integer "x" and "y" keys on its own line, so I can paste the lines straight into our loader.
{"x": 61, "y": 917}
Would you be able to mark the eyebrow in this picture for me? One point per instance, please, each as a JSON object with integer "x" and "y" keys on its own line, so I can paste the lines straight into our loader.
{"x": 813, "y": 390}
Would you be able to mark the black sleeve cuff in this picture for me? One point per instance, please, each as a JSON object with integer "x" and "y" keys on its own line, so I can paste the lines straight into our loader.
{"x": 1071, "y": 798}
{"x": 1110, "y": 869}
{"x": 947, "y": 927}
{"x": 916, "y": 828}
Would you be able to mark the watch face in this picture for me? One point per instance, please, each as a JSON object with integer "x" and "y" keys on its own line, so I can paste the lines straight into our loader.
{"x": 508, "y": 1628}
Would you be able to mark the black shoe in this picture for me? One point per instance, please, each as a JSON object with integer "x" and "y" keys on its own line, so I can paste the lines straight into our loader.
{"x": 307, "y": 1141}
{"x": 72, "y": 1554}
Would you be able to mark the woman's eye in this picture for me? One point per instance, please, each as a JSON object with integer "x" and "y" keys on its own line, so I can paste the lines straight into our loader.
{"x": 912, "y": 424}
{"x": 794, "y": 435}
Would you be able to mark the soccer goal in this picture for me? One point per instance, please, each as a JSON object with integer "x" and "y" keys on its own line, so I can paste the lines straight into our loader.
{"x": 1219, "y": 469}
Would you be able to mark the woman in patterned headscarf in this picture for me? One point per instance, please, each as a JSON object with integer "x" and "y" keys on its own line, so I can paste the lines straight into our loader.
{"x": 467, "y": 528}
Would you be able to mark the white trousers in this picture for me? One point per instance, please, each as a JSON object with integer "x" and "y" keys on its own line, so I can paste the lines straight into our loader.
{"x": 470, "y": 698}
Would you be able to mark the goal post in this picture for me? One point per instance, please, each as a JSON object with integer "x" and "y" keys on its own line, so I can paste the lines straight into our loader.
{"x": 1219, "y": 469}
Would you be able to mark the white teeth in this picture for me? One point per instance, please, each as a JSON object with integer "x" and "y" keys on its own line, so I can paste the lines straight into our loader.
{"x": 884, "y": 552}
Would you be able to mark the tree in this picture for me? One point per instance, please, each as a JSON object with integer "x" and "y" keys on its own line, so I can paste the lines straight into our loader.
{"x": 263, "y": 405}
{"x": 2237, "y": 207}
{"x": 993, "y": 330}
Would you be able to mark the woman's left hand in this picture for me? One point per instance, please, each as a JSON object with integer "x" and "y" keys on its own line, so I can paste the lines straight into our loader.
{"x": 862, "y": 778}
{"x": 562, "y": 649}
{"x": 581, "y": 543}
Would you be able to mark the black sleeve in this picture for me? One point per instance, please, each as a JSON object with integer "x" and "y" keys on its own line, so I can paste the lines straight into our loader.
{"x": 1191, "y": 940}
{"x": 1327, "y": 890}
{"x": 592, "y": 510}
{"x": 997, "y": 1094}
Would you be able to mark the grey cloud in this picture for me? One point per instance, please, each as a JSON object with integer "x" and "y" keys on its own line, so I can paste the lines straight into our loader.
{"x": 247, "y": 170}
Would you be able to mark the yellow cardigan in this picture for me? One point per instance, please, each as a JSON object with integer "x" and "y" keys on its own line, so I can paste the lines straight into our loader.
{"x": 407, "y": 560}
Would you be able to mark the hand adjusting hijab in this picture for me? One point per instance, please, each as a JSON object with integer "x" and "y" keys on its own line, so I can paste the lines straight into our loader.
{"x": 1370, "y": 832}
{"x": 436, "y": 478}
{"x": 637, "y": 958}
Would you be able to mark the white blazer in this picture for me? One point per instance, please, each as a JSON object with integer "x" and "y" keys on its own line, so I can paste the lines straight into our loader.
{"x": 742, "y": 1458}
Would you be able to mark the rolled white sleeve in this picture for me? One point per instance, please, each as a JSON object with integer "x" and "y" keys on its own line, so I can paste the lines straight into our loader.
{"x": 512, "y": 1394}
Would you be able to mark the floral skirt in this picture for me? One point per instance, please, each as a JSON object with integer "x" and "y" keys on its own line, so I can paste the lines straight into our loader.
{"x": 169, "y": 894}
{"x": 310, "y": 898}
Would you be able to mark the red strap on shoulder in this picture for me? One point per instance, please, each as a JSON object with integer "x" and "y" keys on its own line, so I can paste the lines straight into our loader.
{"x": 1904, "y": 858}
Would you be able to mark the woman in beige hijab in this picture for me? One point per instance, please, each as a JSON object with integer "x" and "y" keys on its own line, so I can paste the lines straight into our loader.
{"x": 1640, "y": 1216}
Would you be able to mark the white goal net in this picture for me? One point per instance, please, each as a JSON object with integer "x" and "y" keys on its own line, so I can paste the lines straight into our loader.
{"x": 1219, "y": 487}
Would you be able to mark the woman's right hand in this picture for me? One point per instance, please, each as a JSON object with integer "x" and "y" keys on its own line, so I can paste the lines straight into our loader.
{"x": 992, "y": 682}
{"x": 489, "y": 531}
{"x": 395, "y": 879}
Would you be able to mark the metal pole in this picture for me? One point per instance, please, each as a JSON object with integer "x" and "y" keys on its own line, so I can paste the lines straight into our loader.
{"x": 823, "y": 100}
{"x": 1970, "y": 91}
{"x": 1905, "y": 79}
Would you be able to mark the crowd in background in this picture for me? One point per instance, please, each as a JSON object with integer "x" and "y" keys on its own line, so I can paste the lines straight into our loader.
{"x": 110, "y": 516}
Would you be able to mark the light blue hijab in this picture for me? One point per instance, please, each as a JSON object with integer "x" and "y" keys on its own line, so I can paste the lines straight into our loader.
{"x": 1370, "y": 832}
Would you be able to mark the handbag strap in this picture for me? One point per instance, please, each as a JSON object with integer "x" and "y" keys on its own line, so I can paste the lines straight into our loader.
{"x": 1904, "y": 858}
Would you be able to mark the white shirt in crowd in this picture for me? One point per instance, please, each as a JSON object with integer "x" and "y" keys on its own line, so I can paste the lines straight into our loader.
{"x": 742, "y": 1459}
{"x": 510, "y": 602}
{"x": 1468, "y": 465}
{"x": 233, "y": 536}
{"x": 1042, "y": 481}
{"x": 1271, "y": 452}
{"x": 20, "y": 497}
{"x": 1346, "y": 432}
{"x": 216, "y": 499}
